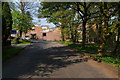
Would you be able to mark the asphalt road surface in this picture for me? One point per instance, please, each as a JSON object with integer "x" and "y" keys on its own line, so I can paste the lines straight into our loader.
{"x": 47, "y": 59}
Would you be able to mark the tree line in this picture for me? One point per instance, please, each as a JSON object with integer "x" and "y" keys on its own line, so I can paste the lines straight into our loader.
{"x": 86, "y": 21}
{"x": 92, "y": 20}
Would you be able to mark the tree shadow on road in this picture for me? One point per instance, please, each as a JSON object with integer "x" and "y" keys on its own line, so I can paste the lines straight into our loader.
{"x": 55, "y": 58}
{"x": 48, "y": 61}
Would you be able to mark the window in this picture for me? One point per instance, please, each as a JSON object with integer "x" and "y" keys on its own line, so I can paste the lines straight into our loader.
{"x": 44, "y": 34}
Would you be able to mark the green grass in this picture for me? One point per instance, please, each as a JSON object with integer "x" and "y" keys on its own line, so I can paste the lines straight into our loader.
{"x": 66, "y": 42}
{"x": 11, "y": 51}
{"x": 89, "y": 48}
{"x": 24, "y": 42}
{"x": 14, "y": 41}
{"x": 93, "y": 48}
{"x": 8, "y": 52}
{"x": 111, "y": 60}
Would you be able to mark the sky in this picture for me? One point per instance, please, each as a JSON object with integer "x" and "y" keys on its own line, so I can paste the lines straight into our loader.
{"x": 34, "y": 12}
{"x": 40, "y": 21}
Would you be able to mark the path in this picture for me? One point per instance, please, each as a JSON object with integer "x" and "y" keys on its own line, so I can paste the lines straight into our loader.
{"x": 52, "y": 60}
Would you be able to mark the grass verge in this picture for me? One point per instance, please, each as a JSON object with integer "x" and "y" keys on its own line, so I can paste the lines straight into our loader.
{"x": 115, "y": 61}
{"x": 21, "y": 41}
{"x": 8, "y": 52}
{"x": 24, "y": 42}
{"x": 89, "y": 47}
{"x": 92, "y": 48}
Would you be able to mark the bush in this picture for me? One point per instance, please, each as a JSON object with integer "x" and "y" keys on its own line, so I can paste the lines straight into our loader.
{"x": 15, "y": 41}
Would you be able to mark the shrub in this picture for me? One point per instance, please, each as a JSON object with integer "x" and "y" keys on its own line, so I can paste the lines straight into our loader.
{"x": 15, "y": 41}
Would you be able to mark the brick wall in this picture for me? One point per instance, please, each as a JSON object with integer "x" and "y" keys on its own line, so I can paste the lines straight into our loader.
{"x": 54, "y": 35}
{"x": 37, "y": 30}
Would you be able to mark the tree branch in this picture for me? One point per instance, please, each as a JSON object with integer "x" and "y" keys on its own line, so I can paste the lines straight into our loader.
{"x": 89, "y": 5}
{"x": 80, "y": 4}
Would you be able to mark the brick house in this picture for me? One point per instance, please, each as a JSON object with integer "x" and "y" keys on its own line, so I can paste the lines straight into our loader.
{"x": 45, "y": 32}
{"x": 42, "y": 32}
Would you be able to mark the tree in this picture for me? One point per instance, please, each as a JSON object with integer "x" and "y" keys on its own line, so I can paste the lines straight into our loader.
{"x": 116, "y": 51}
{"x": 22, "y": 18}
{"x": 103, "y": 15}
{"x": 28, "y": 23}
{"x": 83, "y": 9}
{"x": 108, "y": 10}
{"x": 6, "y": 24}
{"x": 102, "y": 20}
{"x": 67, "y": 21}
{"x": 56, "y": 13}
{"x": 23, "y": 23}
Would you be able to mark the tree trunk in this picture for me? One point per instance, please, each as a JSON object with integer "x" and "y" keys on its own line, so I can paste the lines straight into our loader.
{"x": 99, "y": 32}
{"x": 71, "y": 34}
{"x": 62, "y": 32}
{"x": 7, "y": 24}
{"x": 84, "y": 34}
{"x": 104, "y": 35}
{"x": 20, "y": 33}
{"x": 101, "y": 49}
{"x": 75, "y": 35}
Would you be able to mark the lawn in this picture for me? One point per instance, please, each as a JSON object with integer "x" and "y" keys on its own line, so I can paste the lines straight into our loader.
{"x": 21, "y": 41}
{"x": 9, "y": 52}
{"x": 24, "y": 42}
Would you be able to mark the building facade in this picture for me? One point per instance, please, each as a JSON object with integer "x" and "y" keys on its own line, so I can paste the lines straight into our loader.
{"x": 42, "y": 32}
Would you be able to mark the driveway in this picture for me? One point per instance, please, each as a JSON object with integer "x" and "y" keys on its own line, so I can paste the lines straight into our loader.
{"x": 47, "y": 59}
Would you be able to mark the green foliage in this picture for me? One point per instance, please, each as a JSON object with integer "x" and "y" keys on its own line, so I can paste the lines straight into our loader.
{"x": 15, "y": 41}
{"x": 6, "y": 12}
{"x": 66, "y": 42}
{"x": 24, "y": 41}
{"x": 22, "y": 19}
{"x": 61, "y": 16}
{"x": 102, "y": 20}
{"x": 20, "y": 41}
{"x": 22, "y": 22}
{"x": 89, "y": 48}
{"x": 92, "y": 49}
{"x": 6, "y": 23}
{"x": 9, "y": 52}
{"x": 111, "y": 60}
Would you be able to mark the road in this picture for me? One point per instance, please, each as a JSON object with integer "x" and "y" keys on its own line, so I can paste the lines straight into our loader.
{"x": 47, "y": 59}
